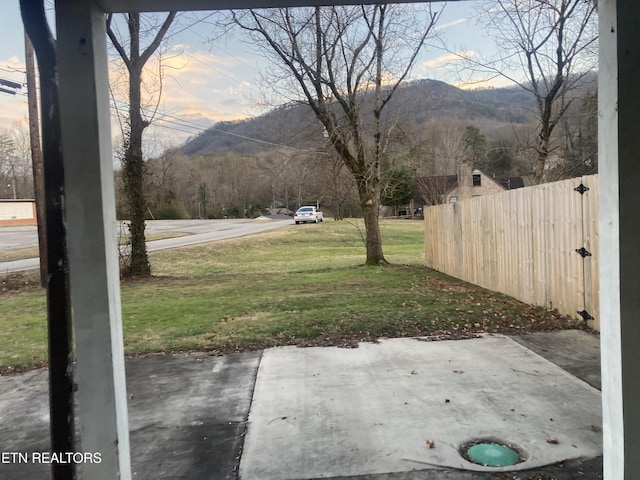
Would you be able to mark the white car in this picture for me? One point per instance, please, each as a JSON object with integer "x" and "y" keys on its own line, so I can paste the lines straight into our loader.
{"x": 308, "y": 214}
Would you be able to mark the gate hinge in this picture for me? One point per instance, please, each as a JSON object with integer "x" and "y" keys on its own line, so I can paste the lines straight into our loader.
{"x": 581, "y": 189}
{"x": 583, "y": 252}
{"x": 585, "y": 315}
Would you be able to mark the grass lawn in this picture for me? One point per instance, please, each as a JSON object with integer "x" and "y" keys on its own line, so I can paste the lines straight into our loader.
{"x": 298, "y": 285}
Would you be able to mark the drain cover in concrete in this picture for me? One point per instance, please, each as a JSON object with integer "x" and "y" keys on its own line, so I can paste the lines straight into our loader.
{"x": 491, "y": 454}
{"x": 406, "y": 404}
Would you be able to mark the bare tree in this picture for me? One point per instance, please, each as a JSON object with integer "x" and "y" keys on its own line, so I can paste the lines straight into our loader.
{"x": 133, "y": 162}
{"x": 16, "y": 175}
{"x": 160, "y": 183}
{"x": 7, "y": 163}
{"x": 433, "y": 190}
{"x": 551, "y": 42}
{"x": 449, "y": 146}
{"x": 338, "y": 183}
{"x": 277, "y": 169}
{"x": 338, "y": 59}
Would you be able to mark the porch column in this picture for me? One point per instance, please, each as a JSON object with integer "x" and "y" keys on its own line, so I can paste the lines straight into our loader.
{"x": 619, "y": 186}
{"x": 92, "y": 238}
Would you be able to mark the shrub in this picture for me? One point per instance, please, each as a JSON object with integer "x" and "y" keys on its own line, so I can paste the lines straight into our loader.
{"x": 172, "y": 211}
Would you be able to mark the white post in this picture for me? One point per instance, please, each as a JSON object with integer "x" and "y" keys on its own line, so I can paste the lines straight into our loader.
{"x": 619, "y": 182}
{"x": 92, "y": 240}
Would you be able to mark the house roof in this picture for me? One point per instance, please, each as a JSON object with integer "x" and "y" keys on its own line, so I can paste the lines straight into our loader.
{"x": 511, "y": 182}
{"x": 434, "y": 186}
{"x": 445, "y": 183}
{"x": 441, "y": 183}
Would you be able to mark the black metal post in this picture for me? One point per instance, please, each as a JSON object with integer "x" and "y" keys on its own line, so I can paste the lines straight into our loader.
{"x": 58, "y": 296}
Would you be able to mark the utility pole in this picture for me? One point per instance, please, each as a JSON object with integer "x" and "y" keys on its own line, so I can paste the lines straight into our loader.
{"x": 36, "y": 157}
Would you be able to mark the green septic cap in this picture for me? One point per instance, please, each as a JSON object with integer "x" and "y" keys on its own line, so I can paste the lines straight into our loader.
{"x": 493, "y": 455}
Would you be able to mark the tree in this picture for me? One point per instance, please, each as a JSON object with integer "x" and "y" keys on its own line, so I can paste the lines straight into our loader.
{"x": 445, "y": 139}
{"x": 7, "y": 161}
{"x": 133, "y": 167}
{"x": 338, "y": 57}
{"x": 432, "y": 190}
{"x": 500, "y": 159}
{"x": 16, "y": 176}
{"x": 551, "y": 42}
{"x": 337, "y": 181}
{"x": 160, "y": 185}
{"x": 398, "y": 187}
{"x": 475, "y": 145}
{"x": 581, "y": 138}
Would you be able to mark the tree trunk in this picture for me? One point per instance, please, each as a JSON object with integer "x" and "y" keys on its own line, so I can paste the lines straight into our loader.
{"x": 373, "y": 240}
{"x": 133, "y": 176}
{"x": 538, "y": 173}
{"x": 370, "y": 203}
{"x": 337, "y": 210}
{"x": 133, "y": 164}
{"x": 541, "y": 161}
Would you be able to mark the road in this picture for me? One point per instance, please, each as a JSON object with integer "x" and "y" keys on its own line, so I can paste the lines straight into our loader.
{"x": 199, "y": 231}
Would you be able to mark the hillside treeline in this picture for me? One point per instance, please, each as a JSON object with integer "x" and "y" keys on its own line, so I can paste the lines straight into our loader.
{"x": 281, "y": 160}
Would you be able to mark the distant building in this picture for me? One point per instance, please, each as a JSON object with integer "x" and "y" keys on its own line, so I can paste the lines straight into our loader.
{"x": 17, "y": 212}
{"x": 468, "y": 183}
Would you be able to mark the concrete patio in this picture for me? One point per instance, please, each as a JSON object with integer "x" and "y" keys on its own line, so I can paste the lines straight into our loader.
{"x": 365, "y": 413}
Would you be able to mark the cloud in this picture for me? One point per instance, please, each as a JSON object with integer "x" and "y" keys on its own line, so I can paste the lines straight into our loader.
{"x": 197, "y": 85}
{"x": 12, "y": 110}
{"x": 447, "y": 59}
{"x": 13, "y": 63}
{"x": 483, "y": 83}
{"x": 450, "y": 24}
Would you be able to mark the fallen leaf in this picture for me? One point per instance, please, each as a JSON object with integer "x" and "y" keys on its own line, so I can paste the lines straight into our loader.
{"x": 431, "y": 443}
{"x": 130, "y": 397}
{"x": 552, "y": 440}
{"x": 413, "y": 372}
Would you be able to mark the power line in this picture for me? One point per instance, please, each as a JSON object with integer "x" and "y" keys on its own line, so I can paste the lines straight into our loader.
{"x": 196, "y": 128}
{"x": 7, "y": 68}
{"x": 215, "y": 69}
{"x": 6, "y": 90}
{"x": 200, "y": 20}
{"x": 10, "y": 87}
{"x": 10, "y": 84}
{"x": 190, "y": 123}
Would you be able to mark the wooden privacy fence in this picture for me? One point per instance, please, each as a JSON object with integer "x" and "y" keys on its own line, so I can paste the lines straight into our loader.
{"x": 537, "y": 244}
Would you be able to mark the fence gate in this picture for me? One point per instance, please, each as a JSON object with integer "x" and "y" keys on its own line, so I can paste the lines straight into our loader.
{"x": 537, "y": 244}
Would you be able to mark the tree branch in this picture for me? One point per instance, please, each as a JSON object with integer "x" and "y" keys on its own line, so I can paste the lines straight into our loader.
{"x": 116, "y": 43}
{"x": 153, "y": 46}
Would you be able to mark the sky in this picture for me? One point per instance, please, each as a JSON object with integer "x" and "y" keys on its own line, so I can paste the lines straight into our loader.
{"x": 207, "y": 83}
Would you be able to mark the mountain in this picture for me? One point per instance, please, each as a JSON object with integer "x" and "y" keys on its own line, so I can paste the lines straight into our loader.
{"x": 414, "y": 105}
